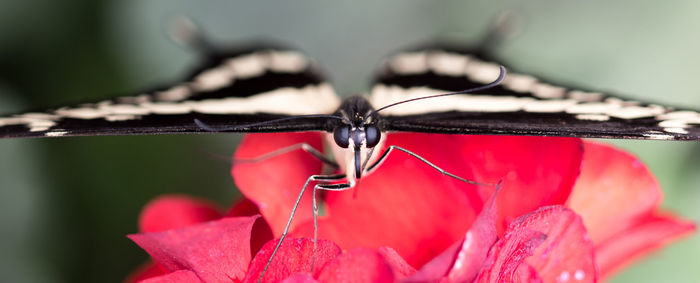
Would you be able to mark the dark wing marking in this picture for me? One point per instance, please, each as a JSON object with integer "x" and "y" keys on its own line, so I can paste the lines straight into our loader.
{"x": 521, "y": 105}
{"x": 239, "y": 87}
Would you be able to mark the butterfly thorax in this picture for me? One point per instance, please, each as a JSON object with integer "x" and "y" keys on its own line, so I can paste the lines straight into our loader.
{"x": 355, "y": 110}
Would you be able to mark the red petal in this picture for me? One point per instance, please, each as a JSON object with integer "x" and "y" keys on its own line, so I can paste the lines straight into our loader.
{"x": 527, "y": 273}
{"x": 215, "y": 251}
{"x": 536, "y": 171}
{"x": 175, "y": 211}
{"x": 293, "y": 256}
{"x": 464, "y": 259}
{"x": 423, "y": 214}
{"x": 405, "y": 204}
{"x": 180, "y": 276}
{"x": 359, "y": 265}
{"x": 274, "y": 184}
{"x": 243, "y": 207}
{"x": 169, "y": 212}
{"x": 614, "y": 191}
{"x": 400, "y": 267}
{"x": 477, "y": 243}
{"x": 567, "y": 253}
{"x": 261, "y": 230}
{"x": 552, "y": 243}
{"x": 507, "y": 255}
{"x": 300, "y": 278}
{"x": 145, "y": 271}
{"x": 437, "y": 268}
{"x": 643, "y": 238}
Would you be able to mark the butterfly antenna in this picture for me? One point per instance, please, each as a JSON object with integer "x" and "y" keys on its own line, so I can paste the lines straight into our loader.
{"x": 210, "y": 128}
{"x": 496, "y": 82}
{"x": 506, "y": 25}
{"x": 185, "y": 32}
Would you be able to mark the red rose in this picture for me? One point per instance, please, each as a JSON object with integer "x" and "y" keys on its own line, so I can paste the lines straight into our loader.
{"x": 567, "y": 210}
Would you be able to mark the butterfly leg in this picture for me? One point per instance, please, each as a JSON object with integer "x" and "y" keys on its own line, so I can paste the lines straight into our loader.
{"x": 325, "y": 187}
{"x": 322, "y": 178}
{"x": 442, "y": 171}
{"x": 303, "y": 146}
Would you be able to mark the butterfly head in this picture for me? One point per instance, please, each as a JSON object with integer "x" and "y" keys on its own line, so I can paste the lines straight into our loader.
{"x": 356, "y": 136}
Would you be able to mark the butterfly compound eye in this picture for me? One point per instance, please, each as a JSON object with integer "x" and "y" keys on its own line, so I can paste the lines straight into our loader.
{"x": 341, "y": 135}
{"x": 372, "y": 135}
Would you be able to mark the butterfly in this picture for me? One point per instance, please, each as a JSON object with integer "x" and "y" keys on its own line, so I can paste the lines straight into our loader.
{"x": 437, "y": 88}
{"x": 252, "y": 85}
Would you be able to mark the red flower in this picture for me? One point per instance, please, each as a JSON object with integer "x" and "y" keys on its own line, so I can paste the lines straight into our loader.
{"x": 408, "y": 216}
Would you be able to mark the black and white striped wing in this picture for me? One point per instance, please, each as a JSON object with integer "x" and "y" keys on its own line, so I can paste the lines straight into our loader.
{"x": 240, "y": 87}
{"x": 521, "y": 105}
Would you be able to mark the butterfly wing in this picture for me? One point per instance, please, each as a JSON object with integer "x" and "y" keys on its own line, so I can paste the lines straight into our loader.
{"x": 244, "y": 86}
{"x": 521, "y": 105}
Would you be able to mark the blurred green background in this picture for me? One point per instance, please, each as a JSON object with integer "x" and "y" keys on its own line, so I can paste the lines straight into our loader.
{"x": 66, "y": 204}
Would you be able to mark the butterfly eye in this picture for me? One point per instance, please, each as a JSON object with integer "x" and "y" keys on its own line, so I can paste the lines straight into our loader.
{"x": 372, "y": 136}
{"x": 341, "y": 135}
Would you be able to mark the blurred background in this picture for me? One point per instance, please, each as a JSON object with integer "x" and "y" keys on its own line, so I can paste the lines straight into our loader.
{"x": 66, "y": 204}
